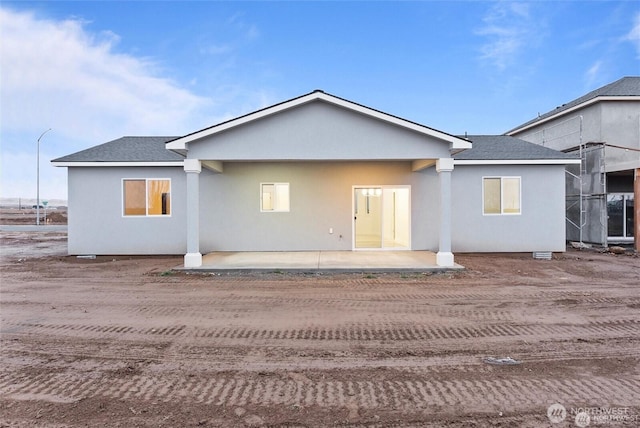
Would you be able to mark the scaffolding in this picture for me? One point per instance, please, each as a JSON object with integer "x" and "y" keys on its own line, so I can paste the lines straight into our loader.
{"x": 585, "y": 191}
{"x": 586, "y": 208}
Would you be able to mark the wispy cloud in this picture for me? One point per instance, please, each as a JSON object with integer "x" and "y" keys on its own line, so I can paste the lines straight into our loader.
{"x": 592, "y": 76}
{"x": 252, "y": 32}
{"x": 216, "y": 49}
{"x": 248, "y": 30}
{"x": 603, "y": 69}
{"x": 57, "y": 74}
{"x": 634, "y": 34}
{"x": 509, "y": 29}
{"x": 241, "y": 34}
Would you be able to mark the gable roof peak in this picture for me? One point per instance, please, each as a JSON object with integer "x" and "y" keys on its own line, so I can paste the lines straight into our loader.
{"x": 180, "y": 144}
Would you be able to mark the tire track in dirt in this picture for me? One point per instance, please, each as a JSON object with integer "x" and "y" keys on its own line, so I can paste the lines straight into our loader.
{"x": 357, "y": 332}
{"x": 99, "y": 343}
{"x": 400, "y": 308}
{"x": 420, "y": 361}
{"x": 274, "y": 390}
{"x": 381, "y": 295}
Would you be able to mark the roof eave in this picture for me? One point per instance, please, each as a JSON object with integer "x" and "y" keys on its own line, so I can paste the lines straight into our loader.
{"x": 116, "y": 163}
{"x": 462, "y": 162}
{"x": 573, "y": 109}
{"x": 459, "y": 146}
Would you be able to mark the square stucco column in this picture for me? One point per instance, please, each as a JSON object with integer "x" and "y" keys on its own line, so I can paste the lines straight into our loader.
{"x": 444, "y": 258}
{"x": 193, "y": 258}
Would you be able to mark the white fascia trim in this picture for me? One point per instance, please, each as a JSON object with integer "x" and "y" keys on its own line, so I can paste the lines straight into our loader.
{"x": 572, "y": 109}
{"x": 456, "y": 143}
{"x": 459, "y": 145}
{"x": 517, "y": 162}
{"x": 71, "y": 164}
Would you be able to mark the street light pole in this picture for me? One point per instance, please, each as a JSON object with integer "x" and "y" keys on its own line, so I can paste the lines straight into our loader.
{"x": 38, "y": 180}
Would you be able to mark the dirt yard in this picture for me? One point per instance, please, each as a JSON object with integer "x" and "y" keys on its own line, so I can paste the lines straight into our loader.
{"x": 125, "y": 342}
{"x": 28, "y": 216}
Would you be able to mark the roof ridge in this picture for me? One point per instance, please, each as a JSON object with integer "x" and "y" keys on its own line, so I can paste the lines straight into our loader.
{"x": 603, "y": 91}
{"x": 505, "y": 147}
{"x": 316, "y": 95}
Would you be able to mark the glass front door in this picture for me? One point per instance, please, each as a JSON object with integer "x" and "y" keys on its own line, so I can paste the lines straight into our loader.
{"x": 381, "y": 217}
{"x": 620, "y": 216}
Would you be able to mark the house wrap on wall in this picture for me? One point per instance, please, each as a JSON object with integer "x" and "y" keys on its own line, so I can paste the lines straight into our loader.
{"x": 316, "y": 172}
{"x": 603, "y": 128}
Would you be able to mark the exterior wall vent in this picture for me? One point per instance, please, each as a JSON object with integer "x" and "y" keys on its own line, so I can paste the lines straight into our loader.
{"x": 542, "y": 255}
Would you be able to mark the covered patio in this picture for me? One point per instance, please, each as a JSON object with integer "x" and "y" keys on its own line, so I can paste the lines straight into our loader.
{"x": 299, "y": 174}
{"x": 322, "y": 261}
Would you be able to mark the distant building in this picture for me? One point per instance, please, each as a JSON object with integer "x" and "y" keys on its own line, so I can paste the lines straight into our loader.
{"x": 603, "y": 127}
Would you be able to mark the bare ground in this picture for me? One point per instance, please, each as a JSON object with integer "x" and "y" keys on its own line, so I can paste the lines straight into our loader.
{"x": 123, "y": 341}
{"x": 28, "y": 216}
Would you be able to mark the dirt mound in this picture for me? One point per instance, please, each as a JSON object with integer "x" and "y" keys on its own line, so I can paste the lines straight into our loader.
{"x": 57, "y": 217}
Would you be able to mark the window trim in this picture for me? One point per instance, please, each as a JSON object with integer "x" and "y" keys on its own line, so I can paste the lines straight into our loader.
{"x": 146, "y": 197}
{"x": 502, "y": 178}
{"x": 625, "y": 198}
{"x": 275, "y": 183}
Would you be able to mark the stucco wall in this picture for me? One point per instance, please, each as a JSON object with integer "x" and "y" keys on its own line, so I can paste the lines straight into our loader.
{"x": 320, "y": 198}
{"x": 318, "y": 131}
{"x": 96, "y": 224}
{"x": 564, "y": 132}
{"x": 539, "y": 227}
{"x": 612, "y": 122}
{"x": 621, "y": 127}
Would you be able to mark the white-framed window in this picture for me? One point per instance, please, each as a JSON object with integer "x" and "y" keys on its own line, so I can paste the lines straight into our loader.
{"x": 146, "y": 197}
{"x": 620, "y": 215}
{"x": 501, "y": 196}
{"x": 274, "y": 197}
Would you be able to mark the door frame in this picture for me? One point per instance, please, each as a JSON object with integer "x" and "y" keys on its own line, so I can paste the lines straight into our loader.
{"x": 612, "y": 239}
{"x": 353, "y": 221}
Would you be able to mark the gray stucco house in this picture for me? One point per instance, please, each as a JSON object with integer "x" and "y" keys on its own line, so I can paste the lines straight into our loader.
{"x": 316, "y": 172}
{"x": 603, "y": 128}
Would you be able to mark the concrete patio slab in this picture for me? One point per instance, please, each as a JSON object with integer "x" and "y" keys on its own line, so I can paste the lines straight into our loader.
{"x": 311, "y": 261}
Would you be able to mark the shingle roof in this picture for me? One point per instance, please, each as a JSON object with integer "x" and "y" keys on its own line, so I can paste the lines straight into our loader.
{"x": 503, "y": 147}
{"x": 152, "y": 149}
{"x": 126, "y": 149}
{"x": 627, "y": 86}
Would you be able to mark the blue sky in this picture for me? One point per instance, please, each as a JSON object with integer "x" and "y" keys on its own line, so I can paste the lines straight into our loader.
{"x": 97, "y": 70}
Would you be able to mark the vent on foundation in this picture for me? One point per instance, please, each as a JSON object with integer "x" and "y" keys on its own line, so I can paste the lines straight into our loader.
{"x": 542, "y": 255}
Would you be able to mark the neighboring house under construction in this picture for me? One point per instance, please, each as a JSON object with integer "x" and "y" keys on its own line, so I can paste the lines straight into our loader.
{"x": 603, "y": 127}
